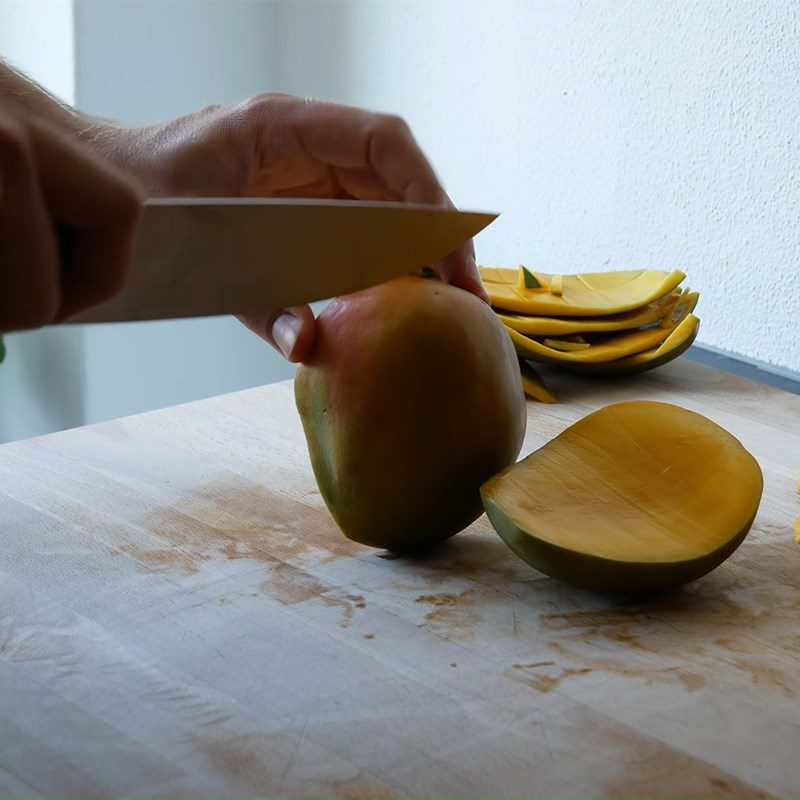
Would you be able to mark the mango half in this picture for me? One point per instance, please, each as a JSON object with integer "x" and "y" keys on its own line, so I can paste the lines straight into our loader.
{"x": 636, "y": 497}
{"x": 411, "y": 400}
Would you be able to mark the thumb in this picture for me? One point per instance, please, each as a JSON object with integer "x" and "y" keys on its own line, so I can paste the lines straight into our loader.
{"x": 289, "y": 330}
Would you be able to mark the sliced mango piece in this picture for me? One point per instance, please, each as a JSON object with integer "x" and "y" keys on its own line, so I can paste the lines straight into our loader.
{"x": 636, "y": 497}
{"x": 566, "y": 346}
{"x": 688, "y": 302}
{"x": 608, "y": 349}
{"x": 797, "y": 530}
{"x": 591, "y": 294}
{"x": 557, "y": 284}
{"x": 684, "y": 305}
{"x": 527, "y": 280}
{"x": 564, "y": 326}
{"x": 534, "y": 384}
{"x": 678, "y": 342}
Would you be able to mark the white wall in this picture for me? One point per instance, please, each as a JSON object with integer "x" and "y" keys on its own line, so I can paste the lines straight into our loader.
{"x": 36, "y": 37}
{"x": 141, "y": 62}
{"x": 41, "y": 379}
{"x": 611, "y": 134}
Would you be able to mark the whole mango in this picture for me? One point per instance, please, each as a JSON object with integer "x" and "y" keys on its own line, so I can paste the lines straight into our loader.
{"x": 411, "y": 400}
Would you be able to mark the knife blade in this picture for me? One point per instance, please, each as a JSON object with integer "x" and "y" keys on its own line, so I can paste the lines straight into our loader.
{"x": 209, "y": 256}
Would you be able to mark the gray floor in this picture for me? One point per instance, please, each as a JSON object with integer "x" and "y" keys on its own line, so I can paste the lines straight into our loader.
{"x": 763, "y": 373}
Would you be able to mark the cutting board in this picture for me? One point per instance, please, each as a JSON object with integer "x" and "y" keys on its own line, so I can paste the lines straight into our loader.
{"x": 180, "y": 616}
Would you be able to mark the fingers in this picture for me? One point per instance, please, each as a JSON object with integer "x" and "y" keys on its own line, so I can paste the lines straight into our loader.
{"x": 290, "y": 331}
{"x": 95, "y": 210}
{"x": 66, "y": 225}
{"x": 361, "y": 184}
{"x": 29, "y": 286}
{"x": 374, "y": 157}
{"x": 460, "y": 268}
{"x": 350, "y": 140}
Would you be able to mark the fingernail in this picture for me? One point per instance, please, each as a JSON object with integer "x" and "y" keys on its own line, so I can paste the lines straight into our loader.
{"x": 285, "y": 331}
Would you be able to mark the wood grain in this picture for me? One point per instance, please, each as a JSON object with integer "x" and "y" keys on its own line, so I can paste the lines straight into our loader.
{"x": 180, "y": 616}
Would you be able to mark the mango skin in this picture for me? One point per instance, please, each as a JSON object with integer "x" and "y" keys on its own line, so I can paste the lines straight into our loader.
{"x": 411, "y": 400}
{"x": 601, "y": 574}
{"x": 613, "y": 368}
{"x": 526, "y": 532}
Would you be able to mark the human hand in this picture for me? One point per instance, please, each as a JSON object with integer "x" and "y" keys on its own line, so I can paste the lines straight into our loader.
{"x": 66, "y": 224}
{"x": 281, "y": 146}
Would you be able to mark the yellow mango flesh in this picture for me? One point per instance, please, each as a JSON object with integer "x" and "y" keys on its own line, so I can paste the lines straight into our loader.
{"x": 607, "y": 349}
{"x": 566, "y": 346}
{"x": 636, "y": 496}
{"x": 534, "y": 385}
{"x": 678, "y": 341}
{"x": 591, "y": 294}
{"x": 557, "y": 326}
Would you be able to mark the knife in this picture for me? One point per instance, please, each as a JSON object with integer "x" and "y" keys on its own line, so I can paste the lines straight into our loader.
{"x": 208, "y": 256}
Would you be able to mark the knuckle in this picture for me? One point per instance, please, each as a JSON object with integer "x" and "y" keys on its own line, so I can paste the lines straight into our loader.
{"x": 393, "y": 126}
{"x": 258, "y": 102}
{"x": 389, "y": 131}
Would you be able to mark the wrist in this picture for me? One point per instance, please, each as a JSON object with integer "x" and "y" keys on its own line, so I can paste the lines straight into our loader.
{"x": 145, "y": 154}
{"x": 115, "y": 144}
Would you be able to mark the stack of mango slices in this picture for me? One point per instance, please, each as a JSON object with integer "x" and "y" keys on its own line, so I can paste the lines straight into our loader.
{"x": 608, "y": 323}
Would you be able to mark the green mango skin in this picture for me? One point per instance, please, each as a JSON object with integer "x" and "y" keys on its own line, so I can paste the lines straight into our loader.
{"x": 534, "y": 384}
{"x": 602, "y": 574}
{"x": 595, "y": 572}
{"x": 614, "y": 368}
{"x": 411, "y": 400}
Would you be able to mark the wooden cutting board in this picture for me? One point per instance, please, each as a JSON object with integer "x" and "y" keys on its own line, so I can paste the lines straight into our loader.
{"x": 180, "y": 616}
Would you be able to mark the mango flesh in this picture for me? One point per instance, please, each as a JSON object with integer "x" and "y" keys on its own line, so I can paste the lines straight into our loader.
{"x": 411, "y": 400}
{"x": 565, "y": 345}
{"x": 565, "y": 326}
{"x": 588, "y": 294}
{"x": 636, "y": 497}
{"x": 678, "y": 342}
{"x": 605, "y": 350}
{"x": 534, "y": 385}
